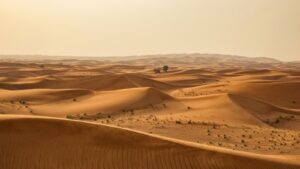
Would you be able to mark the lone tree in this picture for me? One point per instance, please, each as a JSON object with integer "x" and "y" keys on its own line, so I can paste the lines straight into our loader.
{"x": 166, "y": 68}
{"x": 156, "y": 70}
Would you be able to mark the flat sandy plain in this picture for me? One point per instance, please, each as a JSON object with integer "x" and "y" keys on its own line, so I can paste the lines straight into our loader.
{"x": 205, "y": 112}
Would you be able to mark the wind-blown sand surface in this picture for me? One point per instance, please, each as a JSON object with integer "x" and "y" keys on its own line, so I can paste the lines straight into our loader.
{"x": 206, "y": 111}
{"x": 53, "y": 143}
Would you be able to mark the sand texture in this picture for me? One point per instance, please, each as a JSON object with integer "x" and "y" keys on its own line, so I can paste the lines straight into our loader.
{"x": 206, "y": 111}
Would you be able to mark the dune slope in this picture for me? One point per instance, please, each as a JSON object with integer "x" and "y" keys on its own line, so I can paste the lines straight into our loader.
{"x": 35, "y": 143}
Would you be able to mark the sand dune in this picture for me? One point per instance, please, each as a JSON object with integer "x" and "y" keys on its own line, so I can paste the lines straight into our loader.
{"x": 224, "y": 110}
{"x": 284, "y": 94}
{"x": 112, "y": 102}
{"x": 100, "y": 82}
{"x": 235, "y": 112}
{"x": 52, "y": 143}
{"x": 43, "y": 95}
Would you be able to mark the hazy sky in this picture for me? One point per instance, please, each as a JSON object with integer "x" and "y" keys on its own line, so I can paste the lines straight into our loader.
{"x": 269, "y": 28}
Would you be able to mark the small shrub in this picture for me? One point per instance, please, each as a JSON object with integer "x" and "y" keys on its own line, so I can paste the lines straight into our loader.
{"x": 157, "y": 70}
{"x": 69, "y": 116}
{"x": 22, "y": 102}
{"x": 178, "y": 122}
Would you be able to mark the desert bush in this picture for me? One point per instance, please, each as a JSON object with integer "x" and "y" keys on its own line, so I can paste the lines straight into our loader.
{"x": 156, "y": 70}
{"x": 69, "y": 117}
{"x": 22, "y": 102}
{"x": 165, "y": 68}
{"x": 178, "y": 122}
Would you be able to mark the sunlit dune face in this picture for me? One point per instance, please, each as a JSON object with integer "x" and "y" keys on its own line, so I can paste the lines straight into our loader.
{"x": 117, "y": 27}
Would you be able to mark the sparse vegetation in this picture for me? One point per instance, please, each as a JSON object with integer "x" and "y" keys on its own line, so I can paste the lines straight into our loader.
{"x": 157, "y": 70}
{"x": 70, "y": 117}
{"x": 178, "y": 122}
{"x": 22, "y": 102}
{"x": 165, "y": 68}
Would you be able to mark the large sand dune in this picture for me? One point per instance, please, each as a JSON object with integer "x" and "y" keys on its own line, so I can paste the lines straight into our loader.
{"x": 31, "y": 143}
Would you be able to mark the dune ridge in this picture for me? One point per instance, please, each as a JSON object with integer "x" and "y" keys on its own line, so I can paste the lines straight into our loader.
{"x": 71, "y": 144}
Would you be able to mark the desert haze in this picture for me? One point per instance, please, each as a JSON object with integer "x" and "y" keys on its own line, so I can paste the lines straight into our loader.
{"x": 176, "y": 111}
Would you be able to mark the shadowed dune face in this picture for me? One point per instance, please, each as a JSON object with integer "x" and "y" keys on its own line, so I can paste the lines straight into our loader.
{"x": 49, "y": 143}
{"x": 236, "y": 112}
{"x": 283, "y": 94}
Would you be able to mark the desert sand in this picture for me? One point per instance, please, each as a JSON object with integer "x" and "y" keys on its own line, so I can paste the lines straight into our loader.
{"x": 205, "y": 111}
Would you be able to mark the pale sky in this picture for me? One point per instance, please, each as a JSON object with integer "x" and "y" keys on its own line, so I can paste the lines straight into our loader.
{"x": 259, "y": 28}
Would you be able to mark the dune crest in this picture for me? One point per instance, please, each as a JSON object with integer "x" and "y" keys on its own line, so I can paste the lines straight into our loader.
{"x": 31, "y": 143}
